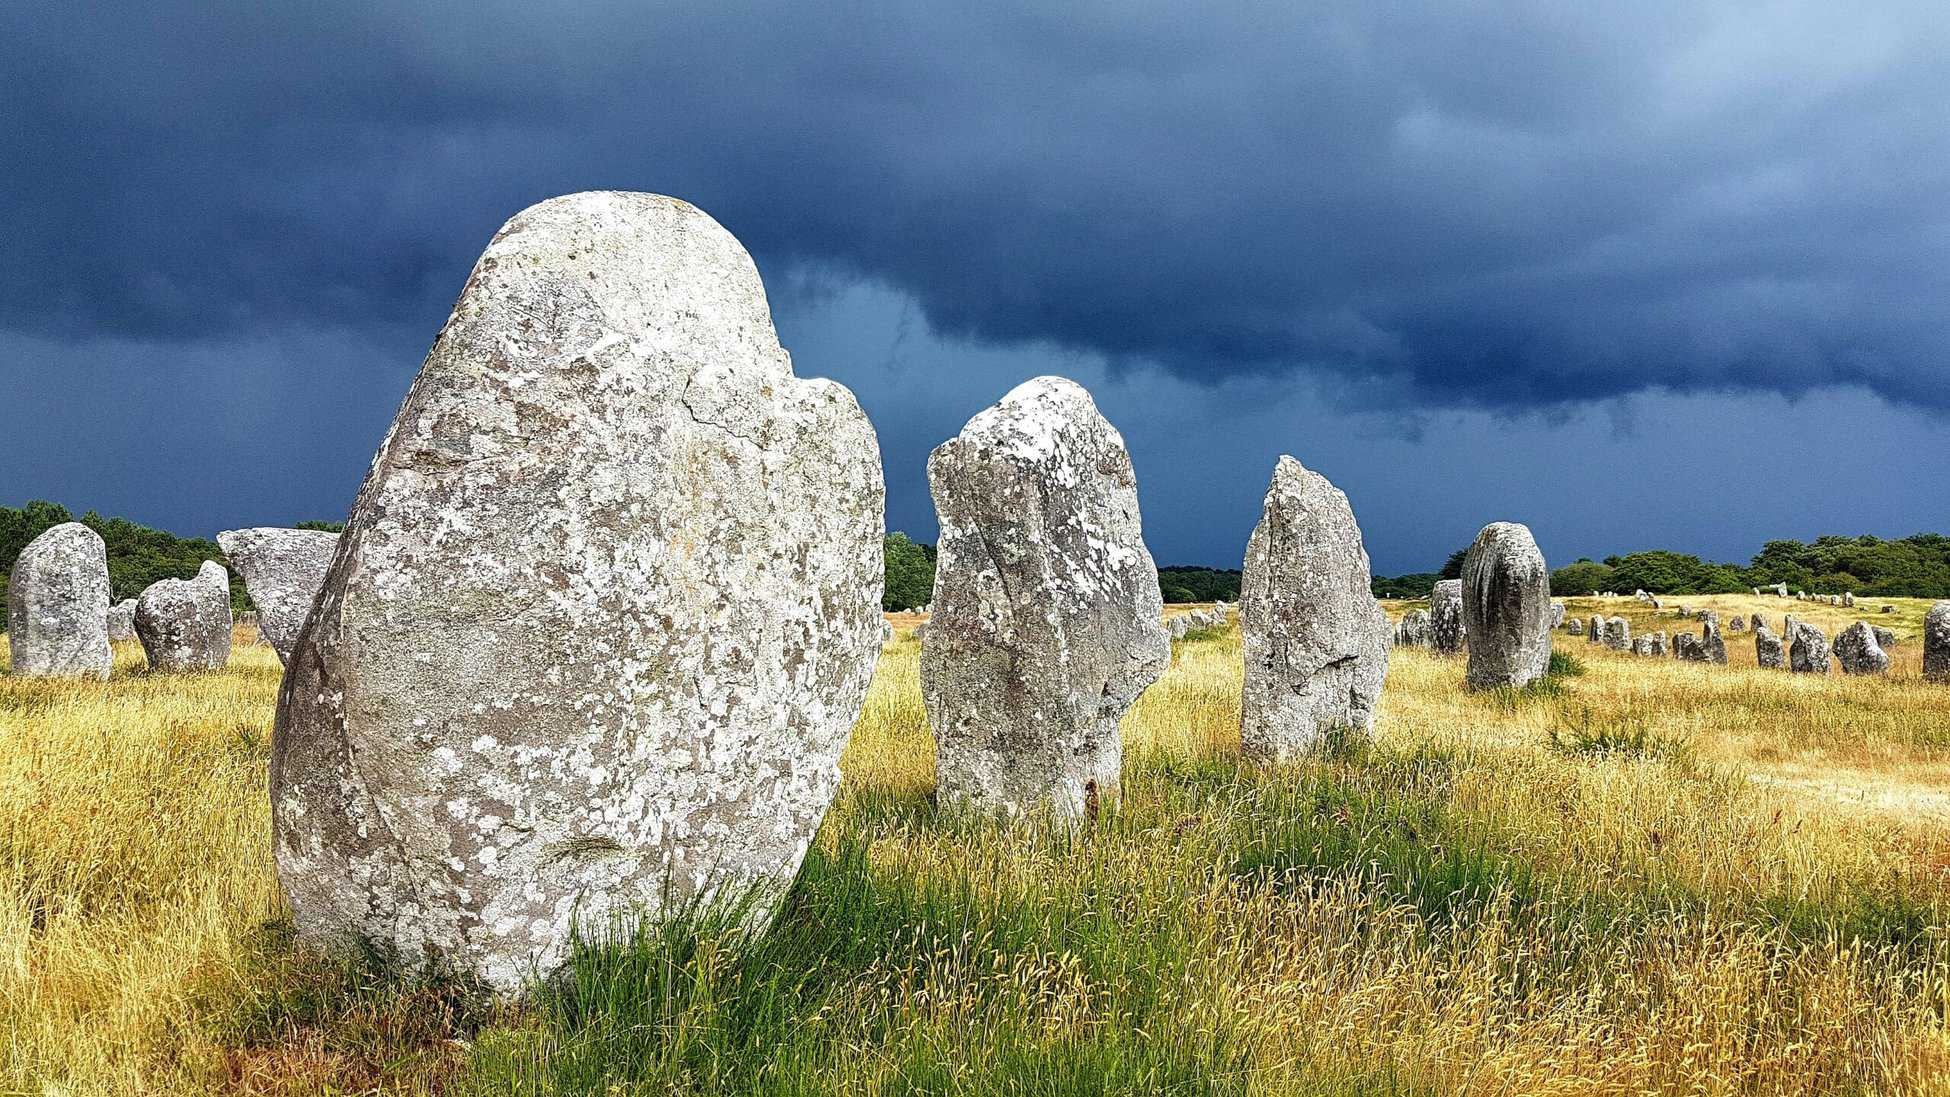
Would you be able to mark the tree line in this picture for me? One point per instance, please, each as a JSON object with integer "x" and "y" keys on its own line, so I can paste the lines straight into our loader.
{"x": 1910, "y": 567}
{"x": 910, "y": 578}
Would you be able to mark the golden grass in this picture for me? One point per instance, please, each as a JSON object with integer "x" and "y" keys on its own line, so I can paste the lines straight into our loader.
{"x": 1703, "y": 913}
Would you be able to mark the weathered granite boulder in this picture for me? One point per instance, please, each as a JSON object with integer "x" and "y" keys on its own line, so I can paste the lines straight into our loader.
{"x": 1618, "y": 634}
{"x": 1769, "y": 652}
{"x": 1736, "y": 623}
{"x": 1808, "y": 651}
{"x": 1046, "y": 620}
{"x": 282, "y": 570}
{"x": 1575, "y": 626}
{"x": 1936, "y": 642}
{"x": 1686, "y": 648}
{"x": 184, "y": 624}
{"x": 1885, "y": 639}
{"x": 1448, "y": 633}
{"x": 601, "y": 619}
{"x": 121, "y": 620}
{"x": 1848, "y": 599}
{"x": 1754, "y": 621}
{"x": 1711, "y": 641}
{"x": 1780, "y": 590}
{"x": 57, "y": 605}
{"x": 1557, "y": 614}
{"x": 1316, "y": 641}
{"x": 1506, "y": 608}
{"x": 1857, "y": 652}
{"x": 1655, "y": 643}
{"x": 1178, "y": 626}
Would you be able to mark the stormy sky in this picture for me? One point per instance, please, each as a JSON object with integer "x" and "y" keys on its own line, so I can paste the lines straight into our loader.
{"x": 1673, "y": 276}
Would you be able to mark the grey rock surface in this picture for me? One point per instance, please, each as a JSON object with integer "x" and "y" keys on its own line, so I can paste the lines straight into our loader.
{"x": 1769, "y": 652}
{"x": 1315, "y": 639}
{"x": 57, "y": 605}
{"x": 601, "y": 619}
{"x": 184, "y": 624}
{"x": 1711, "y": 641}
{"x": 1448, "y": 633}
{"x": 121, "y": 620}
{"x": 1808, "y": 650}
{"x": 1413, "y": 629}
{"x": 1618, "y": 634}
{"x": 1686, "y": 648}
{"x": 282, "y": 570}
{"x": 1506, "y": 608}
{"x": 1046, "y": 610}
{"x": 1884, "y": 637}
{"x": 1856, "y": 651}
{"x": 1936, "y": 642}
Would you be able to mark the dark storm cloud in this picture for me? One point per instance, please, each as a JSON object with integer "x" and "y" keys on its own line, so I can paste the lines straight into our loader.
{"x": 1507, "y": 206}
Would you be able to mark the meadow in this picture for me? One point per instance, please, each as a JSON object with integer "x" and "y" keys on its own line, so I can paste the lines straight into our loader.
{"x": 1638, "y": 876}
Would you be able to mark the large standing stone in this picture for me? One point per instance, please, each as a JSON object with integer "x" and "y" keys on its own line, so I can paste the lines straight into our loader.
{"x": 57, "y": 605}
{"x": 1936, "y": 642}
{"x": 282, "y": 570}
{"x": 121, "y": 620}
{"x": 1768, "y": 649}
{"x": 1448, "y": 633}
{"x": 1618, "y": 634}
{"x": 184, "y": 624}
{"x": 1046, "y": 605}
{"x": 1807, "y": 648}
{"x": 1316, "y": 641}
{"x": 601, "y": 618}
{"x": 1857, "y": 652}
{"x": 1506, "y": 608}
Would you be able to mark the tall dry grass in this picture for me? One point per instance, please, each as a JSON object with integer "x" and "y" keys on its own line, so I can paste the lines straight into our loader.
{"x": 1582, "y": 888}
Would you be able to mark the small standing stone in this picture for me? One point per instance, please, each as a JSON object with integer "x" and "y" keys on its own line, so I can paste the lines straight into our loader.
{"x": 1737, "y": 623}
{"x": 1655, "y": 643}
{"x": 1686, "y": 647}
{"x": 283, "y": 570}
{"x": 1710, "y": 641}
{"x": 1447, "y": 632}
{"x": 1315, "y": 640}
{"x": 1936, "y": 642}
{"x": 1857, "y": 652}
{"x": 1808, "y": 651}
{"x": 1575, "y": 626}
{"x": 184, "y": 624}
{"x": 1884, "y": 637}
{"x": 121, "y": 620}
{"x": 1506, "y": 608}
{"x": 1557, "y": 614}
{"x": 1768, "y": 649}
{"x": 57, "y": 605}
{"x": 1618, "y": 634}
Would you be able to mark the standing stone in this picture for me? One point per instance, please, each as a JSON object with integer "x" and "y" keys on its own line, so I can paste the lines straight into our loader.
{"x": 121, "y": 620}
{"x": 1885, "y": 638}
{"x": 1655, "y": 643}
{"x": 1557, "y": 614}
{"x": 1315, "y": 639}
{"x": 1177, "y": 627}
{"x": 1736, "y": 623}
{"x": 1618, "y": 634}
{"x": 1808, "y": 651}
{"x": 1780, "y": 590}
{"x": 1047, "y": 627}
{"x": 601, "y": 619}
{"x": 184, "y": 624}
{"x": 1754, "y": 622}
{"x": 1848, "y": 599}
{"x": 1413, "y": 631}
{"x": 1710, "y": 641}
{"x": 1448, "y": 633}
{"x": 1506, "y": 608}
{"x": 282, "y": 570}
{"x": 1889, "y": 609}
{"x": 57, "y": 605}
{"x": 1575, "y": 626}
{"x": 1686, "y": 647}
{"x": 1769, "y": 652}
{"x": 1936, "y": 642}
{"x": 1857, "y": 652}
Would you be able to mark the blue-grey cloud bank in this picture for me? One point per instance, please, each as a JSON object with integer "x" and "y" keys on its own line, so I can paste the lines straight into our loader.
{"x": 1656, "y": 275}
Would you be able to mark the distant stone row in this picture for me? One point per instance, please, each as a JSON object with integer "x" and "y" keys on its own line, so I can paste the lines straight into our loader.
{"x": 1800, "y": 647}
{"x": 60, "y": 622}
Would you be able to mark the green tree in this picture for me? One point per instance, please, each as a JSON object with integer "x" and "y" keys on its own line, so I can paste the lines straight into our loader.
{"x": 910, "y": 573}
{"x": 1582, "y": 577}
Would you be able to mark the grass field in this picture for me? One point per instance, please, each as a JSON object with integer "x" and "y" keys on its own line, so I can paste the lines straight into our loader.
{"x": 1640, "y": 876}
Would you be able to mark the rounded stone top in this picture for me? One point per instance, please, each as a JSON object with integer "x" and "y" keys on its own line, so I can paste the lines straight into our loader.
{"x": 1030, "y": 422}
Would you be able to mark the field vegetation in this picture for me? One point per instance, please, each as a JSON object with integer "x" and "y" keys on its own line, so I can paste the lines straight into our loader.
{"x": 1640, "y": 876}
